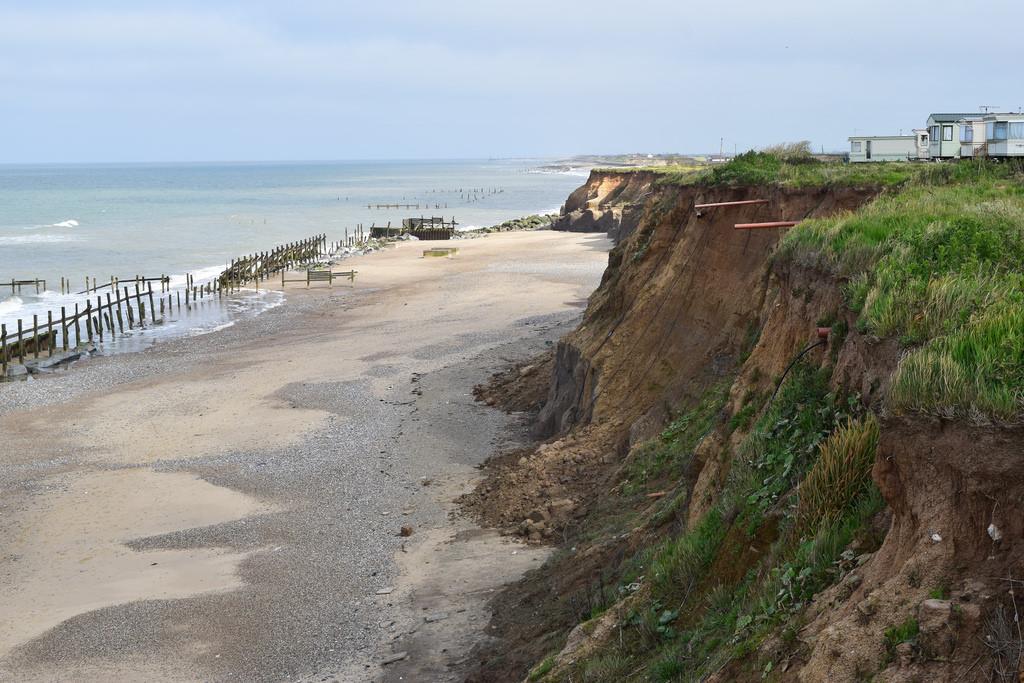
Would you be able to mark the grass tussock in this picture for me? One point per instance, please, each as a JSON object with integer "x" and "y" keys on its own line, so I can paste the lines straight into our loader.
{"x": 938, "y": 265}
{"x": 841, "y": 474}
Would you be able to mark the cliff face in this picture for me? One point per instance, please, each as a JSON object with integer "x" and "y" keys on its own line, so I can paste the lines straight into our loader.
{"x": 609, "y": 202}
{"x": 696, "y": 327}
{"x": 682, "y": 296}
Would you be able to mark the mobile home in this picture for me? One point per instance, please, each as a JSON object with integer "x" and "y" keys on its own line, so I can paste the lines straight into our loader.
{"x": 944, "y": 134}
{"x": 1004, "y": 135}
{"x": 972, "y": 138}
{"x": 865, "y": 148}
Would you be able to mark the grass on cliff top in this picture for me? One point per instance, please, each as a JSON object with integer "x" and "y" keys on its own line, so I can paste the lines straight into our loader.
{"x": 789, "y": 166}
{"x": 941, "y": 267}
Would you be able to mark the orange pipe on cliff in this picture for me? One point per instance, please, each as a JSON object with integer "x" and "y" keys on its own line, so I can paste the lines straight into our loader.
{"x": 757, "y": 226}
{"x": 739, "y": 203}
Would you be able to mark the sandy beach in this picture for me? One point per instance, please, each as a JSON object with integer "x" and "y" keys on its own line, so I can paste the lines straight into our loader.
{"x": 229, "y": 506}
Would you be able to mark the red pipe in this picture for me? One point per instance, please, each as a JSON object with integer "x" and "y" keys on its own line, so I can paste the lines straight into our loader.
{"x": 755, "y": 226}
{"x": 741, "y": 203}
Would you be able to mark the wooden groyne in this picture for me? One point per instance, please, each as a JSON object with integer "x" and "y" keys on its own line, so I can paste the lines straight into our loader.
{"x": 260, "y": 266}
{"x": 16, "y": 285}
{"x": 112, "y": 306}
{"x": 107, "y": 316}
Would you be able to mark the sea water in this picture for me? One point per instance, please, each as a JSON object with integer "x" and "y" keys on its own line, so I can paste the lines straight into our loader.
{"x": 123, "y": 220}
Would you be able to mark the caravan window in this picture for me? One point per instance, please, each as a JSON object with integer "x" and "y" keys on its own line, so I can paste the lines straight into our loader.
{"x": 947, "y": 133}
{"x": 1017, "y": 130}
{"x": 934, "y": 130}
{"x": 855, "y": 147}
{"x": 967, "y": 133}
{"x": 997, "y": 130}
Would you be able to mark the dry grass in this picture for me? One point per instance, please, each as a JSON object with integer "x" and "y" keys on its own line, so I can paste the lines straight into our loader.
{"x": 840, "y": 475}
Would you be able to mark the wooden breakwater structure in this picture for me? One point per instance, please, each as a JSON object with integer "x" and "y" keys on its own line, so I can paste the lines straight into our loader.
{"x": 16, "y": 285}
{"x": 107, "y": 316}
{"x": 260, "y": 266}
{"x": 433, "y": 228}
{"x": 425, "y": 205}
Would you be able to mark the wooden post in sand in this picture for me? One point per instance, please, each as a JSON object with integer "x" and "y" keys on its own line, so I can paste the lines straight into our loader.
{"x": 3, "y": 349}
{"x": 35, "y": 335}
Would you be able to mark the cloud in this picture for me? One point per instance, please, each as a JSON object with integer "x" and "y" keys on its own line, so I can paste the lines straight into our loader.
{"x": 227, "y": 80}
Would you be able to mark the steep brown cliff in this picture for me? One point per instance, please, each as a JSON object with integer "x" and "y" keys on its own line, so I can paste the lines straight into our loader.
{"x": 689, "y": 340}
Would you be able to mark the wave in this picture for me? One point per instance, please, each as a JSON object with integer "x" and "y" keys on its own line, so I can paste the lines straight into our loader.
{"x": 69, "y": 223}
{"x": 10, "y": 305}
{"x": 38, "y": 239}
{"x": 198, "y": 276}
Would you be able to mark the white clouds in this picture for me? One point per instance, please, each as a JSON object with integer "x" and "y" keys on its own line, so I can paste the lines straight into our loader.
{"x": 200, "y": 79}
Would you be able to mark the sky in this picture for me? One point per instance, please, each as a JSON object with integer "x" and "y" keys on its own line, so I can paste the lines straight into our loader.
{"x": 309, "y": 79}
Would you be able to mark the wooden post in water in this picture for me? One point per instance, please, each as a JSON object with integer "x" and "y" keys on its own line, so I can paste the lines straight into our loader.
{"x": 35, "y": 335}
{"x": 152, "y": 308}
{"x": 21, "y": 344}
{"x": 99, "y": 316}
{"x": 128, "y": 309}
{"x": 78, "y": 331}
{"x": 120, "y": 318}
{"x": 88, "y": 320}
{"x": 51, "y": 343}
{"x": 110, "y": 316}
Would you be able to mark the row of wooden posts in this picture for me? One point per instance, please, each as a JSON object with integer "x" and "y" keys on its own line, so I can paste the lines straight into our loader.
{"x": 261, "y": 265}
{"x": 107, "y": 316}
{"x": 111, "y": 310}
{"x": 16, "y": 285}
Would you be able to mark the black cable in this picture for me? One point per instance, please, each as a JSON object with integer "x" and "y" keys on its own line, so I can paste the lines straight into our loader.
{"x": 798, "y": 357}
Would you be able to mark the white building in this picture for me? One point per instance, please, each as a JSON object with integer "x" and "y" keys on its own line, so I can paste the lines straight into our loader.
{"x": 944, "y": 134}
{"x": 972, "y": 138}
{"x": 1004, "y": 135}
{"x": 864, "y": 148}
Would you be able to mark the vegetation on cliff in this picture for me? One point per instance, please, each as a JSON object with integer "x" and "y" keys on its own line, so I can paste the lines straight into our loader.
{"x": 715, "y": 592}
{"x": 937, "y": 265}
{"x": 752, "y": 516}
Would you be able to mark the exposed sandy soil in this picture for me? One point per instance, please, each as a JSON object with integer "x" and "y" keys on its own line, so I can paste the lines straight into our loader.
{"x": 228, "y": 507}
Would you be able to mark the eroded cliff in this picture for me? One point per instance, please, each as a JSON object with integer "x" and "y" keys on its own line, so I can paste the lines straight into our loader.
{"x": 735, "y": 493}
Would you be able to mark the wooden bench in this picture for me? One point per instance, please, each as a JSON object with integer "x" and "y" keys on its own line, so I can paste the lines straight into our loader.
{"x": 317, "y": 275}
{"x": 440, "y": 251}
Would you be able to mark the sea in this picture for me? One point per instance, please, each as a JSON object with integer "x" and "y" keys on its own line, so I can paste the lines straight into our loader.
{"x": 101, "y": 220}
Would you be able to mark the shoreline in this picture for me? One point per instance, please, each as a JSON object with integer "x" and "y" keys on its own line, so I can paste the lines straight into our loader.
{"x": 303, "y": 435}
{"x": 214, "y": 313}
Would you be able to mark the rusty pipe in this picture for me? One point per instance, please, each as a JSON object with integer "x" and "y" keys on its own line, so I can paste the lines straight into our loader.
{"x": 744, "y": 202}
{"x": 757, "y": 226}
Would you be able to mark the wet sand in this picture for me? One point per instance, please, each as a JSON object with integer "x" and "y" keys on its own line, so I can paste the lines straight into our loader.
{"x": 227, "y": 507}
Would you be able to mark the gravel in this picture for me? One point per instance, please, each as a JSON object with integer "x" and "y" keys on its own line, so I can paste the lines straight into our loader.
{"x": 312, "y": 605}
